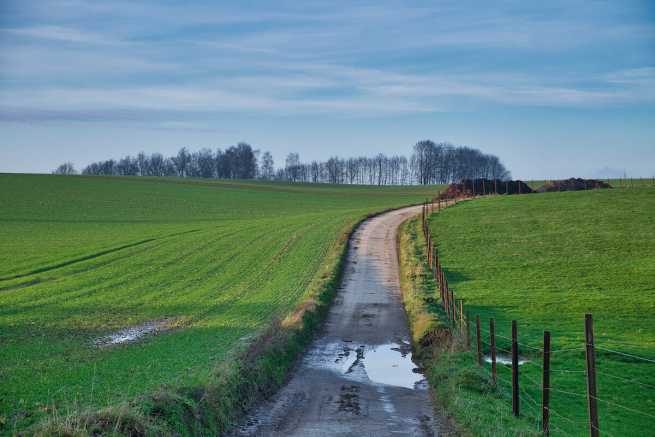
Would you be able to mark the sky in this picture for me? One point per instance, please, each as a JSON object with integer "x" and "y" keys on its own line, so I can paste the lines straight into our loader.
{"x": 555, "y": 89}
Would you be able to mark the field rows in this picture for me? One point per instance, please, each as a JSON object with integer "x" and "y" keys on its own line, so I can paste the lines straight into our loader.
{"x": 216, "y": 262}
{"x": 547, "y": 259}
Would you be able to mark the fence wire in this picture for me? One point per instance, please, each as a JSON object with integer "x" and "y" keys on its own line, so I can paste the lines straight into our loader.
{"x": 504, "y": 385}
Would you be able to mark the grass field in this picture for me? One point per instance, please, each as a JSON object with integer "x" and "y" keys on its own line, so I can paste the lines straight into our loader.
{"x": 464, "y": 390}
{"x": 547, "y": 259}
{"x": 213, "y": 261}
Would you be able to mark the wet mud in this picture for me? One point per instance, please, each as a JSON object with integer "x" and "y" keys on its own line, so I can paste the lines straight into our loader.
{"x": 134, "y": 333}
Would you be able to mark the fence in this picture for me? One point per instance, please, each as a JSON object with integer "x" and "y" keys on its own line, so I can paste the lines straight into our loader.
{"x": 549, "y": 419}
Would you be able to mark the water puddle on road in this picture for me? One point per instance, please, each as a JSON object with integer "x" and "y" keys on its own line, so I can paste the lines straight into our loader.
{"x": 391, "y": 364}
{"x": 388, "y": 364}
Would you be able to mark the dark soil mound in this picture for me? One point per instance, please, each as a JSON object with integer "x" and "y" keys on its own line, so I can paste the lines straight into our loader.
{"x": 476, "y": 187}
{"x": 573, "y": 184}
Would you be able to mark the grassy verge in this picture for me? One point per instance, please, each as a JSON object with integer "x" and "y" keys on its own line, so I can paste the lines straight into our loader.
{"x": 463, "y": 388}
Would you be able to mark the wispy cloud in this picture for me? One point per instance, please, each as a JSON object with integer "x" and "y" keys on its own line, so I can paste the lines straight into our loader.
{"x": 84, "y": 60}
{"x": 310, "y": 91}
{"x": 58, "y": 33}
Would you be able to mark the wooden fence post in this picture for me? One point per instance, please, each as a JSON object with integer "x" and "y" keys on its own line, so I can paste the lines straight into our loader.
{"x": 477, "y": 333}
{"x": 545, "y": 387}
{"x": 492, "y": 342}
{"x": 445, "y": 294}
{"x": 429, "y": 250}
{"x": 443, "y": 298}
{"x": 432, "y": 251}
{"x": 449, "y": 298}
{"x": 515, "y": 370}
{"x": 591, "y": 376}
{"x": 423, "y": 218}
{"x": 441, "y": 289}
{"x": 461, "y": 314}
{"x": 468, "y": 332}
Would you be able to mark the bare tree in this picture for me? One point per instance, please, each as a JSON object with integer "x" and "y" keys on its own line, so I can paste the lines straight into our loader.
{"x": 142, "y": 162}
{"x": 127, "y": 166}
{"x": 205, "y": 163}
{"x": 182, "y": 161}
{"x": 67, "y": 168}
{"x": 268, "y": 167}
{"x": 292, "y": 167}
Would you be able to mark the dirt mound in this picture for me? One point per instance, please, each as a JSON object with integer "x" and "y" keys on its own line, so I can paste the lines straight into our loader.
{"x": 573, "y": 184}
{"x": 476, "y": 187}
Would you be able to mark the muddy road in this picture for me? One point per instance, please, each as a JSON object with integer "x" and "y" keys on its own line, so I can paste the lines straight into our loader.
{"x": 357, "y": 377}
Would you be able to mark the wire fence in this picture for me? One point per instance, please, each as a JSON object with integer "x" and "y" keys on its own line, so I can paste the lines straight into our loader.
{"x": 568, "y": 385}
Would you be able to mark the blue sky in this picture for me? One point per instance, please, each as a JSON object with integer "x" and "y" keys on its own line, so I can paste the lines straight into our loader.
{"x": 556, "y": 89}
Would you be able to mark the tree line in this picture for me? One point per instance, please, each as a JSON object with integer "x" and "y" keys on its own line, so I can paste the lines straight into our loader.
{"x": 429, "y": 163}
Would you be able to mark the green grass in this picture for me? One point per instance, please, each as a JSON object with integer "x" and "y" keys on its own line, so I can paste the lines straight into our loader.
{"x": 547, "y": 259}
{"x": 83, "y": 257}
{"x": 463, "y": 389}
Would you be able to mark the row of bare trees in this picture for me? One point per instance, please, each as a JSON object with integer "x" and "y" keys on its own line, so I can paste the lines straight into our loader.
{"x": 443, "y": 163}
{"x": 379, "y": 170}
{"x": 430, "y": 163}
{"x": 236, "y": 162}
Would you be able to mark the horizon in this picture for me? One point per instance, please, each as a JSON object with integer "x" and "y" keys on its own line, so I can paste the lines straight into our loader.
{"x": 560, "y": 90}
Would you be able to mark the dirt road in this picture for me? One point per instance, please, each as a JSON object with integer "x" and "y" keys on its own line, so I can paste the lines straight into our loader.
{"x": 358, "y": 377}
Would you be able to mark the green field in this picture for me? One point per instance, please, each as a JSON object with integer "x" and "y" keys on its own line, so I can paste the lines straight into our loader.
{"x": 215, "y": 261}
{"x": 547, "y": 259}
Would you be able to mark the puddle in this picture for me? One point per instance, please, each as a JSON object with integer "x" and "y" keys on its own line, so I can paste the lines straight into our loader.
{"x": 387, "y": 364}
{"x": 392, "y": 364}
{"x": 505, "y": 359}
{"x": 134, "y": 333}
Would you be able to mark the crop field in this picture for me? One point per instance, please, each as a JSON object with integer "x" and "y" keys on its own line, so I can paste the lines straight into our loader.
{"x": 545, "y": 260}
{"x": 208, "y": 263}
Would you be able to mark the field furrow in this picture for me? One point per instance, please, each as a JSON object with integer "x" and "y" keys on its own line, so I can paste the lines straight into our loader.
{"x": 212, "y": 262}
